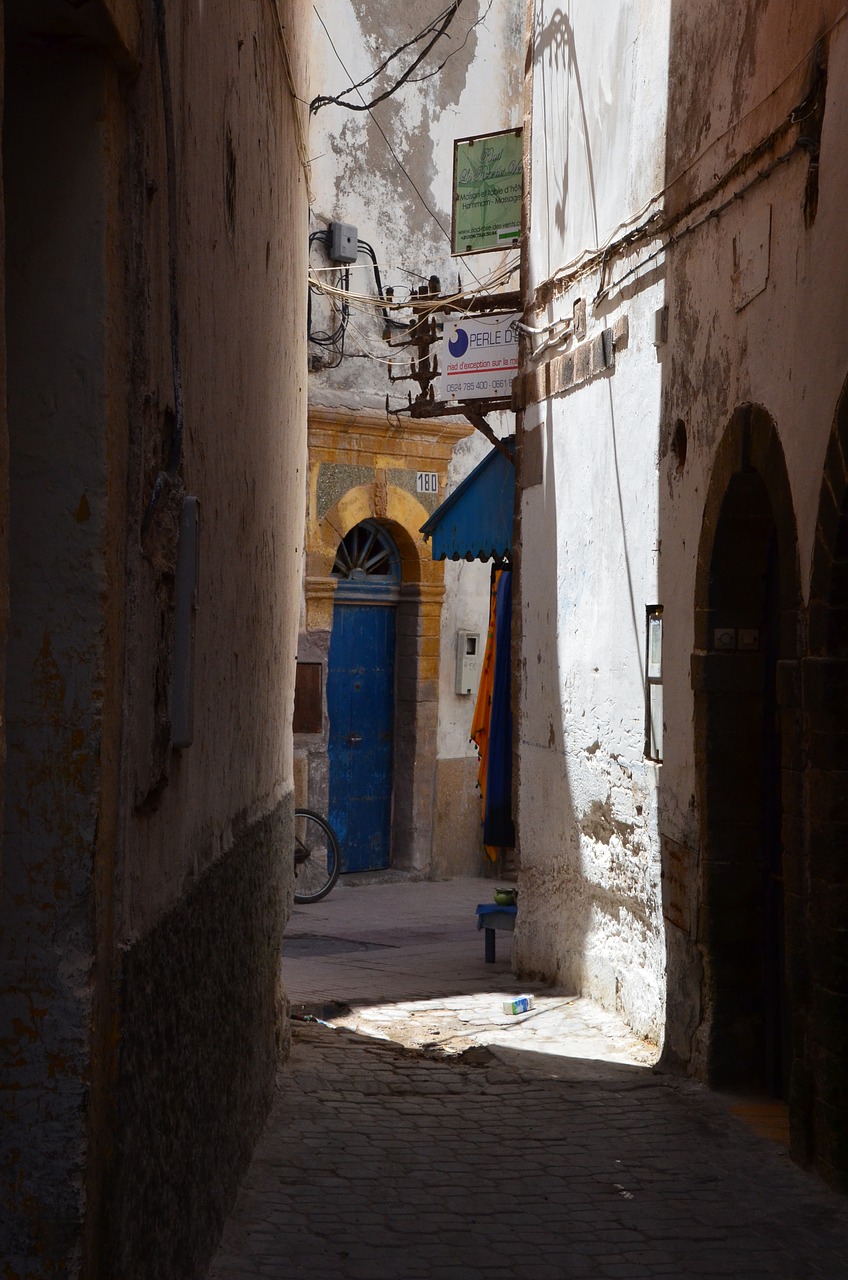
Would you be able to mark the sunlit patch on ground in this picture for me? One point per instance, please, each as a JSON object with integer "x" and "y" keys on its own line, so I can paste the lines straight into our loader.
{"x": 559, "y": 1025}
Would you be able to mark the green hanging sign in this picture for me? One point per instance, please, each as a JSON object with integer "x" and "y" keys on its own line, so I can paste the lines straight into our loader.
{"x": 486, "y": 192}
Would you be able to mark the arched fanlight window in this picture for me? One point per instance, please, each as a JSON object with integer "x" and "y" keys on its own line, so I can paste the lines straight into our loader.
{"x": 367, "y": 564}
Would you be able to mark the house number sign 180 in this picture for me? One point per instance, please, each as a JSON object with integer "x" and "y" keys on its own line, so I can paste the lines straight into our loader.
{"x": 427, "y": 482}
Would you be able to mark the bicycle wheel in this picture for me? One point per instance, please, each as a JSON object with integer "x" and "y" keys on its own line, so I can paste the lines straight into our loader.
{"x": 316, "y": 856}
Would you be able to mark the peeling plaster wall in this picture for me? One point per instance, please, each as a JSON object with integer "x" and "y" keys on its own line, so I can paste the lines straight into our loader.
{"x": 588, "y": 823}
{"x": 591, "y": 914}
{"x": 203, "y": 828}
{"x": 241, "y": 225}
{"x": 397, "y": 203}
{"x": 696, "y": 96}
{"x": 144, "y": 893}
{"x": 783, "y": 349}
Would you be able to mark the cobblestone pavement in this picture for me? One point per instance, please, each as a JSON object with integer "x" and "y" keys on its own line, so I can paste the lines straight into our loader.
{"x": 406, "y": 961}
{"x": 378, "y": 1163}
{"x": 547, "y": 1149}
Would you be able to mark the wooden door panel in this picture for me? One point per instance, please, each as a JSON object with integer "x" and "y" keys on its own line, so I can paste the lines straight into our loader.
{"x": 360, "y": 703}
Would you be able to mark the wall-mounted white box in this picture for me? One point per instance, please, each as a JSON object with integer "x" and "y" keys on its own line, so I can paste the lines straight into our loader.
{"x": 467, "y": 661}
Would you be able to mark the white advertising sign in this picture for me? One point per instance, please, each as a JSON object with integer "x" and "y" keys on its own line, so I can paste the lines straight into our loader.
{"x": 479, "y": 356}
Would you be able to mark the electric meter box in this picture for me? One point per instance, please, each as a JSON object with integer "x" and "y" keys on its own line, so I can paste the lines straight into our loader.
{"x": 343, "y": 242}
{"x": 467, "y": 661}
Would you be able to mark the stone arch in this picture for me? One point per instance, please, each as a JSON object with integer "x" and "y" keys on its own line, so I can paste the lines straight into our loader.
{"x": 824, "y": 687}
{"x": 828, "y": 611}
{"x": 400, "y": 512}
{"x": 747, "y": 644}
{"x": 751, "y": 441}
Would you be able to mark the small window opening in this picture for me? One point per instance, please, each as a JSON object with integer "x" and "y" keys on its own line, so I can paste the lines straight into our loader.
{"x": 365, "y": 552}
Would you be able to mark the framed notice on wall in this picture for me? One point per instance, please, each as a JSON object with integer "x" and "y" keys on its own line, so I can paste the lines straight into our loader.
{"x": 486, "y": 192}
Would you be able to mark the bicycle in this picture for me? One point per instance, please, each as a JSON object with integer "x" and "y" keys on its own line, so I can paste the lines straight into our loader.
{"x": 316, "y": 856}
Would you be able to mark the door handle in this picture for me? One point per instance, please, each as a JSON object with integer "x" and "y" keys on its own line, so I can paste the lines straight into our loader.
{"x": 353, "y": 738}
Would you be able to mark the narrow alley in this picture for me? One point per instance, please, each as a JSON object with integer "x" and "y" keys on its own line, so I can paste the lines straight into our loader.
{"x": 424, "y": 425}
{"x": 508, "y": 1158}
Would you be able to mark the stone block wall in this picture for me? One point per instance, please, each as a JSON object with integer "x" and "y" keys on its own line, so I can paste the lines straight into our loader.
{"x": 202, "y": 1037}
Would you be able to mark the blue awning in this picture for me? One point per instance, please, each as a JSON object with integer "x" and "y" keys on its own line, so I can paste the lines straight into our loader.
{"x": 475, "y": 522}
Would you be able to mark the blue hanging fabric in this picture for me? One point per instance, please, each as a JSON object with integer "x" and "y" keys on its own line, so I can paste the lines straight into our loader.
{"x": 498, "y": 826}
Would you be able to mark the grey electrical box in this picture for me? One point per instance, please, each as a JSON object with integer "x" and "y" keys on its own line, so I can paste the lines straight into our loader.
{"x": 467, "y": 661}
{"x": 343, "y": 242}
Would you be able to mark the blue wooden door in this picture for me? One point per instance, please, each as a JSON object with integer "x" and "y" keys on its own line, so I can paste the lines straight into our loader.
{"x": 360, "y": 703}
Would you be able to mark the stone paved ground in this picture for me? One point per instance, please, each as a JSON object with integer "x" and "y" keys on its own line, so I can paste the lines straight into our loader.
{"x": 380, "y": 1163}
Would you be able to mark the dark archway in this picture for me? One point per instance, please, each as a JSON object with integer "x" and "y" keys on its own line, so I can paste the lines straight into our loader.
{"x": 747, "y": 644}
{"x": 825, "y": 697}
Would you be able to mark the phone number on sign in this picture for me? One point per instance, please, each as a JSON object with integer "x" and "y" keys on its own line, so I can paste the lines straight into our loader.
{"x": 456, "y": 386}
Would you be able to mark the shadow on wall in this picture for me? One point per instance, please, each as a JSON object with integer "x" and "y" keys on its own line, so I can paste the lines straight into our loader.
{"x": 747, "y": 608}
{"x": 754, "y": 895}
{"x": 583, "y": 873}
{"x": 553, "y": 42}
{"x": 558, "y": 893}
{"x": 553, "y": 922}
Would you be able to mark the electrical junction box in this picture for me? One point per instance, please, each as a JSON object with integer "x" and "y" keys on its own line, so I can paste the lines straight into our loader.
{"x": 467, "y": 661}
{"x": 344, "y": 247}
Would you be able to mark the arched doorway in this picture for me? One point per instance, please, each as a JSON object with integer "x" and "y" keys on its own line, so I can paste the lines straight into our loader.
{"x": 745, "y": 887}
{"x": 335, "y": 508}
{"x": 746, "y": 624}
{"x": 360, "y": 694}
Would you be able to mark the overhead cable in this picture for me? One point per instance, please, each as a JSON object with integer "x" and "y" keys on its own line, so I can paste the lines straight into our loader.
{"x": 438, "y": 26}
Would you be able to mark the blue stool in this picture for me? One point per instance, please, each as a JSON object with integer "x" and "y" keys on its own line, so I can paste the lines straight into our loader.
{"x": 491, "y": 916}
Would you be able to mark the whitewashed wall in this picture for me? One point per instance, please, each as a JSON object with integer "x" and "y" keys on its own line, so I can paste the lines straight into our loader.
{"x": 590, "y": 860}
{"x": 599, "y": 94}
{"x": 630, "y": 99}
{"x": 466, "y": 608}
